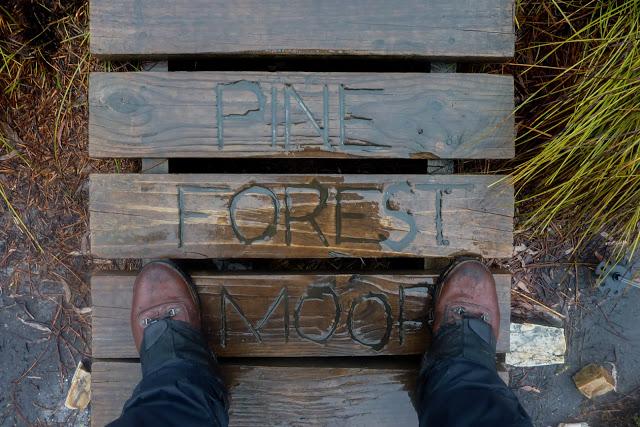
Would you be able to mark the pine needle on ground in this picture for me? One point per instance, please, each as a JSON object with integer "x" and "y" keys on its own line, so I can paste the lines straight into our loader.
{"x": 588, "y": 171}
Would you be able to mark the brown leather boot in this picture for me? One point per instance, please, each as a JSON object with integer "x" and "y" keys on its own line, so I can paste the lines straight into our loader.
{"x": 467, "y": 289}
{"x": 162, "y": 291}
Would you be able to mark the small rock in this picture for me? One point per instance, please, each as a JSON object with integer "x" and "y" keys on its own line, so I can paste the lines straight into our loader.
{"x": 573, "y": 425}
{"x": 594, "y": 380}
{"x": 536, "y": 345}
{"x": 79, "y": 394}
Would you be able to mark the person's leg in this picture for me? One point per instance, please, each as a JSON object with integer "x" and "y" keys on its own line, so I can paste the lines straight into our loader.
{"x": 180, "y": 383}
{"x": 458, "y": 384}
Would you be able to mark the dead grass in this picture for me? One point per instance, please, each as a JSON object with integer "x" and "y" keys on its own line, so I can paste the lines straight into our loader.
{"x": 576, "y": 79}
{"x": 44, "y": 65}
{"x": 44, "y": 165}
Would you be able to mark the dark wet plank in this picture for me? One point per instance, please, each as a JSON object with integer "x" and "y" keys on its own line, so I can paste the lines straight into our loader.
{"x": 452, "y": 29}
{"x": 299, "y": 216}
{"x": 285, "y": 395}
{"x": 248, "y": 114}
{"x": 249, "y": 315}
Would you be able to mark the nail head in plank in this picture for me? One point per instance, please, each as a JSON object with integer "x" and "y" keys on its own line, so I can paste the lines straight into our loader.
{"x": 256, "y": 315}
{"x": 442, "y": 166}
{"x": 459, "y": 29}
{"x": 285, "y": 395}
{"x": 300, "y": 216}
{"x": 257, "y": 114}
{"x": 155, "y": 165}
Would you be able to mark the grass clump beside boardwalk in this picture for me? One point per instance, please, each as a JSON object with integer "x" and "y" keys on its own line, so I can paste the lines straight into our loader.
{"x": 586, "y": 171}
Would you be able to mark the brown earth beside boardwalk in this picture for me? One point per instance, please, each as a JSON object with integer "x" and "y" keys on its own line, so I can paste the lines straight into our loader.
{"x": 297, "y": 216}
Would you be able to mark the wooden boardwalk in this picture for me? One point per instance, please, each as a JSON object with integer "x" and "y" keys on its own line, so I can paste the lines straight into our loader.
{"x": 313, "y": 347}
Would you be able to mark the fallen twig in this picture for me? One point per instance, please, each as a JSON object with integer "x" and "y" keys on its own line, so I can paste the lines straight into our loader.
{"x": 536, "y": 302}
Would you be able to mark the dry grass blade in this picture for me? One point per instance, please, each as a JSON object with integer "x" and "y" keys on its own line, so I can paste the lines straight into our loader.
{"x": 19, "y": 220}
{"x": 77, "y": 72}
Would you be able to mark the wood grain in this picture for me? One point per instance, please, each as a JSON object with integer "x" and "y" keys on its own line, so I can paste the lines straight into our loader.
{"x": 299, "y": 216}
{"x": 248, "y": 114}
{"x": 453, "y": 29}
{"x": 284, "y": 395}
{"x": 155, "y": 165}
{"x": 286, "y": 315}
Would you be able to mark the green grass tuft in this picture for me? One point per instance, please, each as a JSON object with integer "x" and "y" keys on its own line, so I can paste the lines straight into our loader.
{"x": 588, "y": 168}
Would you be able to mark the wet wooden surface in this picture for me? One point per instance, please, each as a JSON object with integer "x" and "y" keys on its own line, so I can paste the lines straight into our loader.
{"x": 454, "y": 29}
{"x": 287, "y": 315}
{"x": 299, "y": 216}
{"x": 380, "y": 394}
{"x": 245, "y": 114}
{"x": 338, "y": 115}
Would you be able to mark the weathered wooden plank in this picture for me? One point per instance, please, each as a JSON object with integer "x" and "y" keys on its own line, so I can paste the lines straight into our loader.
{"x": 299, "y": 216}
{"x": 248, "y": 114}
{"x": 439, "y": 166}
{"x": 284, "y": 395}
{"x": 247, "y": 315}
{"x": 458, "y": 29}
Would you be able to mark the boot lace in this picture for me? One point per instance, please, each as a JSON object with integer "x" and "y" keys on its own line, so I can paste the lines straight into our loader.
{"x": 169, "y": 314}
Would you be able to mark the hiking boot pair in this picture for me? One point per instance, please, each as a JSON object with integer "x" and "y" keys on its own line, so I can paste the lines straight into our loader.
{"x": 162, "y": 291}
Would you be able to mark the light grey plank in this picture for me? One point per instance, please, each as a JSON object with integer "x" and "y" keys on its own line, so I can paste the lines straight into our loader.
{"x": 458, "y": 29}
{"x": 249, "y": 114}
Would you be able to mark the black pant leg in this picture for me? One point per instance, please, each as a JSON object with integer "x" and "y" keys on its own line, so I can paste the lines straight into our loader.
{"x": 180, "y": 383}
{"x": 459, "y": 385}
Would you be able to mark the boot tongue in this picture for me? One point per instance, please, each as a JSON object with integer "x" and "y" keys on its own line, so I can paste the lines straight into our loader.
{"x": 153, "y": 332}
{"x": 482, "y": 329}
{"x": 168, "y": 340}
{"x": 468, "y": 338}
